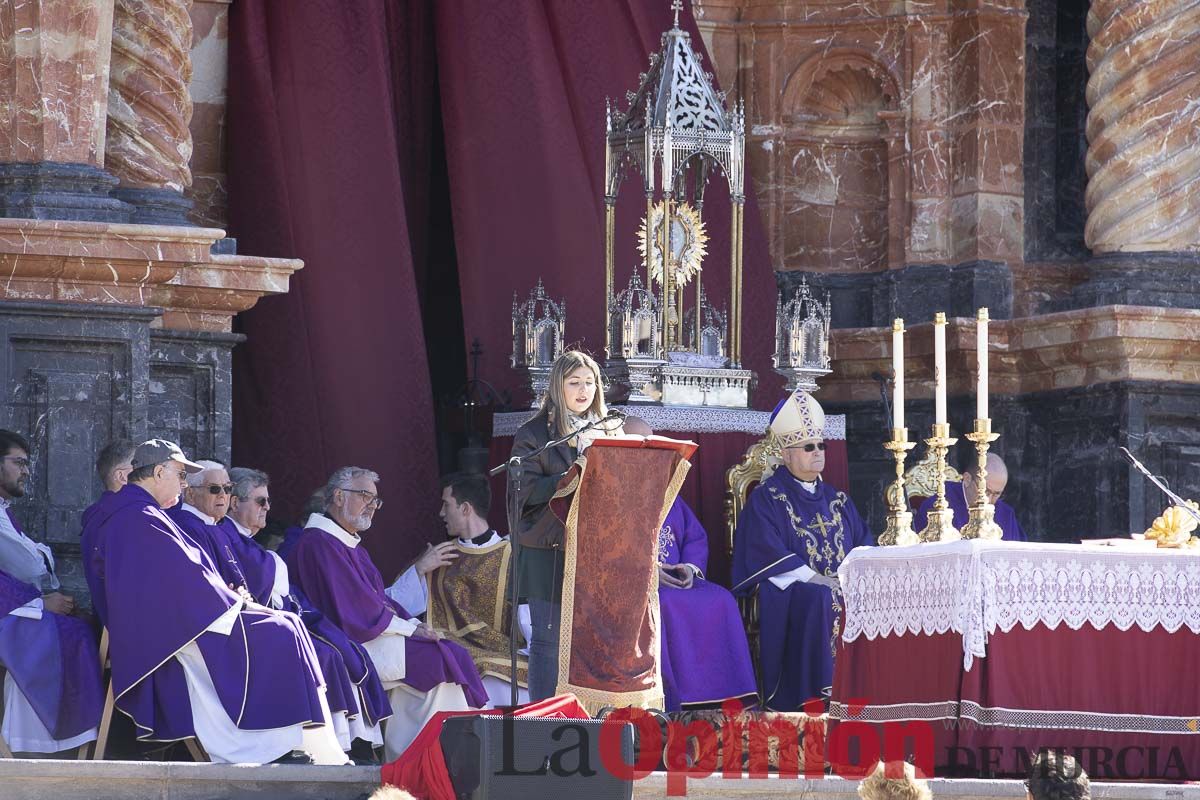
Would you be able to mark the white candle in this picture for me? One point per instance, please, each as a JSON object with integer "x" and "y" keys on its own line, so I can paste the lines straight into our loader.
{"x": 939, "y": 368}
{"x": 981, "y": 359}
{"x": 898, "y": 373}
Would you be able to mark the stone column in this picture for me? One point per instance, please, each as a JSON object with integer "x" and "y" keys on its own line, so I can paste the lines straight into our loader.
{"x": 1143, "y": 127}
{"x": 1143, "y": 158}
{"x": 54, "y": 62}
{"x": 149, "y": 108}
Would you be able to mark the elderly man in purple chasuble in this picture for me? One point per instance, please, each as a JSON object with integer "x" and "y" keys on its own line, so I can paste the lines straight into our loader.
{"x": 790, "y": 539}
{"x": 356, "y": 696}
{"x": 190, "y": 655}
{"x": 423, "y": 672}
{"x": 52, "y": 691}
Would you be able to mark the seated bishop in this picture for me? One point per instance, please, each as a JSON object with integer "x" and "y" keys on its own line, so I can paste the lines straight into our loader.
{"x": 790, "y": 539}
{"x": 357, "y": 701}
{"x": 52, "y": 691}
{"x": 423, "y": 672}
{"x": 190, "y": 655}
{"x": 468, "y": 598}
{"x": 960, "y": 496}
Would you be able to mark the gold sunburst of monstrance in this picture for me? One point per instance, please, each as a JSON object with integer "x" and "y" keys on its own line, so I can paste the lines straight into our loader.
{"x": 688, "y": 243}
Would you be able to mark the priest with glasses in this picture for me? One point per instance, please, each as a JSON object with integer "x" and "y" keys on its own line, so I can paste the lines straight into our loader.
{"x": 791, "y": 537}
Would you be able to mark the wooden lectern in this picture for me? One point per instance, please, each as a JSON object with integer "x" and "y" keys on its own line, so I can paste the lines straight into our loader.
{"x": 609, "y": 645}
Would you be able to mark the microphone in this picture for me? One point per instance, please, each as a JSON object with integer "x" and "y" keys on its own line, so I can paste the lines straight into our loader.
{"x": 616, "y": 413}
{"x": 887, "y": 403}
{"x": 1161, "y": 484}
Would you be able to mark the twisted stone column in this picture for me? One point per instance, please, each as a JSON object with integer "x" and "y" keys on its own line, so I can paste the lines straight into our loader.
{"x": 1143, "y": 127}
{"x": 149, "y": 106}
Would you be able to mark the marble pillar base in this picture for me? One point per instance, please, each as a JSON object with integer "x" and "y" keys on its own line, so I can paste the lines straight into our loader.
{"x": 1170, "y": 280}
{"x": 48, "y": 190}
{"x": 916, "y": 292}
{"x": 156, "y": 206}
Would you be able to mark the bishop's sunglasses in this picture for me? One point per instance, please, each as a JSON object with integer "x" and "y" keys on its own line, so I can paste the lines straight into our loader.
{"x": 811, "y": 446}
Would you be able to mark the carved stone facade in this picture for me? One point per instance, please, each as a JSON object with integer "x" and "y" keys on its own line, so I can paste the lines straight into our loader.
{"x": 111, "y": 330}
{"x": 913, "y": 158}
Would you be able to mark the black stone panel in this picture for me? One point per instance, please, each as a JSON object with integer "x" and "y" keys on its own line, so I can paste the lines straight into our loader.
{"x": 1055, "y": 129}
{"x": 75, "y": 378}
{"x": 915, "y": 293}
{"x": 1170, "y": 280}
{"x": 191, "y": 391}
{"x": 1067, "y": 478}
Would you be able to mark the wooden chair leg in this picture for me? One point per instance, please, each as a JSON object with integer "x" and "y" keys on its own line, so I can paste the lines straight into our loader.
{"x": 101, "y": 743}
{"x": 196, "y": 749}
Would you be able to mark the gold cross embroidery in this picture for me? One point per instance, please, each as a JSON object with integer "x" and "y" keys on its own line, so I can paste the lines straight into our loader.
{"x": 824, "y": 524}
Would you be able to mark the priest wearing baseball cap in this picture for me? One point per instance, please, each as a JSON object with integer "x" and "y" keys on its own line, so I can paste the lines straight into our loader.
{"x": 190, "y": 655}
{"x": 791, "y": 537}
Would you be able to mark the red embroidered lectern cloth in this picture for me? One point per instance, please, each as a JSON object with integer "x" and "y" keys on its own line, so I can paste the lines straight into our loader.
{"x": 1002, "y": 648}
{"x": 609, "y": 637}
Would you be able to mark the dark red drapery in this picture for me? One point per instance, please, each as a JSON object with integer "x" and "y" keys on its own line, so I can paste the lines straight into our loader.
{"x": 329, "y": 119}
{"x": 332, "y": 118}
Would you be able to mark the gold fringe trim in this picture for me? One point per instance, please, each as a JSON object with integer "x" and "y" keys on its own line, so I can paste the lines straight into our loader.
{"x": 594, "y": 699}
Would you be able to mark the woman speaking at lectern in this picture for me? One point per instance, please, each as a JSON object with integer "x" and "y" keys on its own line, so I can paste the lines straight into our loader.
{"x": 574, "y": 399}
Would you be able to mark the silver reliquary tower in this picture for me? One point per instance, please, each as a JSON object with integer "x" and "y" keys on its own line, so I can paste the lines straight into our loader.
{"x": 676, "y": 132}
{"x": 802, "y": 338}
{"x": 538, "y": 326}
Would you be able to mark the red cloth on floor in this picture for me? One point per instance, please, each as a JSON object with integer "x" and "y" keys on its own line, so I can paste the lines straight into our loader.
{"x": 421, "y": 769}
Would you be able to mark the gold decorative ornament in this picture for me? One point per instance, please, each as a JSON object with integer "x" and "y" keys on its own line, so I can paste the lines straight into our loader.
{"x": 1174, "y": 527}
{"x": 899, "y": 530}
{"x": 688, "y": 243}
{"x": 940, "y": 524}
{"x": 982, "y": 514}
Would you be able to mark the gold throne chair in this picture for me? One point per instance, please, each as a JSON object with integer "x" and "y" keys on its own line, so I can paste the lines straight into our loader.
{"x": 762, "y": 458}
{"x": 920, "y": 482}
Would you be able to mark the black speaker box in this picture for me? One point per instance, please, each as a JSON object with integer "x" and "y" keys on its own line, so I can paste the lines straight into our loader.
{"x": 491, "y": 757}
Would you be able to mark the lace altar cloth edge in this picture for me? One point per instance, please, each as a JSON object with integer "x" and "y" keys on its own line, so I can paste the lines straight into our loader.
{"x": 977, "y": 589}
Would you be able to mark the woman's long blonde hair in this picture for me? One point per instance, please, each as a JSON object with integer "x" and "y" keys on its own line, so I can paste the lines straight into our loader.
{"x": 554, "y": 406}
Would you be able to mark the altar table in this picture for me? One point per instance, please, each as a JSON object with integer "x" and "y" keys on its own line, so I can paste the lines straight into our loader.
{"x": 1000, "y": 649}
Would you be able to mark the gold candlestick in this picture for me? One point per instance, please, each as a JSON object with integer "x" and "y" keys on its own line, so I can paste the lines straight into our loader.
{"x": 982, "y": 524}
{"x": 940, "y": 527}
{"x": 899, "y": 529}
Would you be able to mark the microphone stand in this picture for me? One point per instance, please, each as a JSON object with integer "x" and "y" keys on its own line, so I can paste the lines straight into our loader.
{"x": 515, "y": 467}
{"x": 1176, "y": 499}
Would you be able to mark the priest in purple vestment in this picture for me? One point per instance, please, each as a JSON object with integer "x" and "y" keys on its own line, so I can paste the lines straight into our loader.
{"x": 705, "y": 657}
{"x": 51, "y": 702}
{"x": 355, "y": 694}
{"x": 960, "y": 496}
{"x": 791, "y": 537}
{"x": 191, "y": 656}
{"x": 424, "y": 673}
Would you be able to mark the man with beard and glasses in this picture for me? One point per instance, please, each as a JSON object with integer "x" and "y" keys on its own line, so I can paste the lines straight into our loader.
{"x": 52, "y": 692}
{"x": 356, "y": 697}
{"x": 426, "y": 674}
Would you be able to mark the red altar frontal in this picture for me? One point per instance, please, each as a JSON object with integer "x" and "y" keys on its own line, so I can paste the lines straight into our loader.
{"x": 723, "y": 436}
{"x": 986, "y": 652}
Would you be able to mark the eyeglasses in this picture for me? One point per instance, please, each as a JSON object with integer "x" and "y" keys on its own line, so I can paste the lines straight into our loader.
{"x": 811, "y": 446}
{"x": 262, "y": 502}
{"x": 217, "y": 488}
{"x": 21, "y": 461}
{"x": 371, "y": 500}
